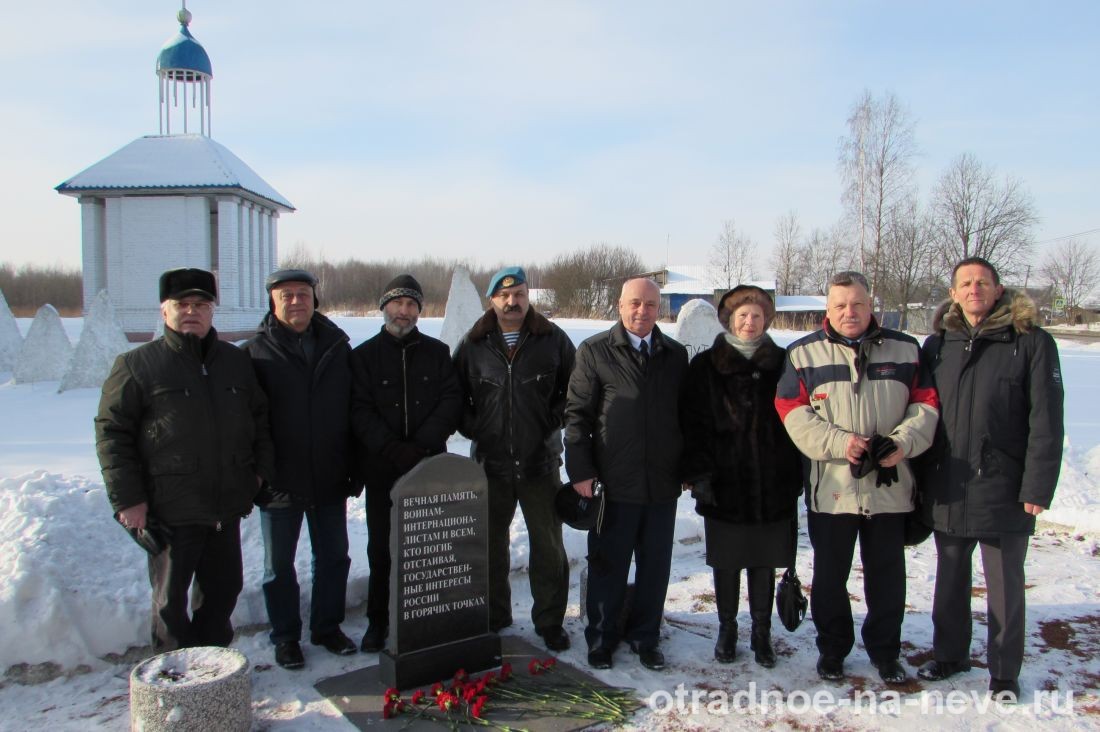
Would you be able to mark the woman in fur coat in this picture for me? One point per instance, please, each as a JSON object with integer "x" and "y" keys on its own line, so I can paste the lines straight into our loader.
{"x": 744, "y": 471}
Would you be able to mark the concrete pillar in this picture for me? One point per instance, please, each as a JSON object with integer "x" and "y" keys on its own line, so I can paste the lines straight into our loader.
{"x": 229, "y": 252}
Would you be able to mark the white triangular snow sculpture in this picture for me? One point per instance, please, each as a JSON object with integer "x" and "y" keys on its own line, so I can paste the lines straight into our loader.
{"x": 11, "y": 340}
{"x": 463, "y": 308}
{"x": 158, "y": 326}
{"x": 101, "y": 340}
{"x": 46, "y": 352}
{"x": 696, "y": 326}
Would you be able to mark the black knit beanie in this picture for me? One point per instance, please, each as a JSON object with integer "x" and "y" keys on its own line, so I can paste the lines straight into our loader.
{"x": 402, "y": 286}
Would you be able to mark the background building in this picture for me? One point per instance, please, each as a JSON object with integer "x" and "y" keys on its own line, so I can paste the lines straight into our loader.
{"x": 178, "y": 199}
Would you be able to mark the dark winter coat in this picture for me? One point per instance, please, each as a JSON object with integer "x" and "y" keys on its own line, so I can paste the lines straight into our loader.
{"x": 513, "y": 407}
{"x": 999, "y": 442}
{"x": 622, "y": 420}
{"x": 183, "y": 426}
{"x": 309, "y": 406}
{"x": 406, "y": 402}
{"x": 734, "y": 438}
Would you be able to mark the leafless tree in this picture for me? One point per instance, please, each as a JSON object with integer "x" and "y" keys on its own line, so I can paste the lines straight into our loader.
{"x": 1072, "y": 269}
{"x": 30, "y": 286}
{"x": 876, "y": 161}
{"x": 354, "y": 286}
{"x": 975, "y": 216}
{"x": 731, "y": 257}
{"x": 788, "y": 232}
{"x": 823, "y": 253}
{"x": 586, "y": 282}
{"x": 907, "y": 259}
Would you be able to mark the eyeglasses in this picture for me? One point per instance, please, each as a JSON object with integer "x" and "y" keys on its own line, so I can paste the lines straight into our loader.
{"x": 199, "y": 306}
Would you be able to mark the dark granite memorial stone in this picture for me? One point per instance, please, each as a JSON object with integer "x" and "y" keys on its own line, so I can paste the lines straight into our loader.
{"x": 439, "y": 612}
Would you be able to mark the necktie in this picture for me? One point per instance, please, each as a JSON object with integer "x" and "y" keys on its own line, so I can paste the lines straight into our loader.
{"x": 644, "y": 348}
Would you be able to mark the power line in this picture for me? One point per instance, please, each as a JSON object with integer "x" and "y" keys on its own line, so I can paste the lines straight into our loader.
{"x": 1068, "y": 236}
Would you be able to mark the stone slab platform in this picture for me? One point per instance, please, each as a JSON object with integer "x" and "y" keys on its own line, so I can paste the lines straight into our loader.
{"x": 358, "y": 695}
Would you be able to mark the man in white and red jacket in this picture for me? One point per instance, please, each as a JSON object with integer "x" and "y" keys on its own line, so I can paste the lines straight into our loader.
{"x": 856, "y": 403}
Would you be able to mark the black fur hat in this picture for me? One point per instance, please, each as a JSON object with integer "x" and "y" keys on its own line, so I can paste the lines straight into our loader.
{"x": 177, "y": 283}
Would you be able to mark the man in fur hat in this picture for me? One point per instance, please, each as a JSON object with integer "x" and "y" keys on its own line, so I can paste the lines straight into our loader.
{"x": 514, "y": 368}
{"x": 406, "y": 402}
{"x": 993, "y": 467}
{"x": 183, "y": 439}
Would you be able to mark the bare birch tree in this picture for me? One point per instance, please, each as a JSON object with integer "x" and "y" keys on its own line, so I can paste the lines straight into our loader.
{"x": 823, "y": 253}
{"x": 788, "y": 277}
{"x": 731, "y": 257}
{"x": 1073, "y": 269}
{"x": 876, "y": 161}
{"x": 907, "y": 259}
{"x": 975, "y": 216}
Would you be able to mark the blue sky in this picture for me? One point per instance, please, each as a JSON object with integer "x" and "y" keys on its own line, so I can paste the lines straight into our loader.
{"x": 513, "y": 131}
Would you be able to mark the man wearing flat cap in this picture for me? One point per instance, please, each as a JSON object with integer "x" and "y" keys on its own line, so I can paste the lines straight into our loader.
{"x": 302, "y": 361}
{"x": 514, "y": 367}
{"x": 183, "y": 440}
{"x": 406, "y": 402}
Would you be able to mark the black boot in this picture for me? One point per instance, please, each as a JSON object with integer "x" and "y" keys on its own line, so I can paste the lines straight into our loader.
{"x": 727, "y": 591}
{"x": 761, "y": 589}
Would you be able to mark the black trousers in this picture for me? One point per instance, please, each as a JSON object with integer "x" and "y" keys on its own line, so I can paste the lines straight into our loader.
{"x": 882, "y": 552}
{"x": 1003, "y": 562}
{"x": 644, "y": 532}
{"x": 378, "y": 505}
{"x": 207, "y": 561}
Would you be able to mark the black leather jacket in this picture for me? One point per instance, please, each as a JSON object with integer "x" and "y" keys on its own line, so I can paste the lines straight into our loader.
{"x": 513, "y": 407}
{"x": 622, "y": 422}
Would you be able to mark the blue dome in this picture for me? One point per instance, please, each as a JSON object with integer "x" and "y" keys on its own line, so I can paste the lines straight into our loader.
{"x": 184, "y": 53}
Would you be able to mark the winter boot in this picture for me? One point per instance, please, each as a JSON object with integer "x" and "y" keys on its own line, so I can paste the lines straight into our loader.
{"x": 761, "y": 589}
{"x": 727, "y": 591}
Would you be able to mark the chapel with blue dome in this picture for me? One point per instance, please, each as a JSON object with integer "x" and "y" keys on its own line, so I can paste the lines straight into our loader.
{"x": 178, "y": 199}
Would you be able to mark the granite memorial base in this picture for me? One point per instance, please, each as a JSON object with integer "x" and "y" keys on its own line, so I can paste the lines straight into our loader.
{"x": 427, "y": 666}
{"x": 359, "y": 697}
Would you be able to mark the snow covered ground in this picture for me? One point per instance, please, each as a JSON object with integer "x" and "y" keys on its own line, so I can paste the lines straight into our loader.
{"x": 74, "y": 600}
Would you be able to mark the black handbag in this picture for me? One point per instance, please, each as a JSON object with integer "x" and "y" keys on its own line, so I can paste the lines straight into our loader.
{"x": 790, "y": 603}
{"x": 916, "y": 531}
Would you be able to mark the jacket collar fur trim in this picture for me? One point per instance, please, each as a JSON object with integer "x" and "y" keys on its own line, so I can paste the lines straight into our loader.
{"x": 1014, "y": 309}
{"x": 534, "y": 323}
{"x": 728, "y": 360}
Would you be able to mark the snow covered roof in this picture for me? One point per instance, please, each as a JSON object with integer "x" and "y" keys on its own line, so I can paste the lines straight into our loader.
{"x": 800, "y": 303}
{"x": 700, "y": 279}
{"x": 172, "y": 162}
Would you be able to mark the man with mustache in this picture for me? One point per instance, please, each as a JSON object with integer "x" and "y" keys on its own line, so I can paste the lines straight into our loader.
{"x": 183, "y": 439}
{"x": 514, "y": 367}
{"x": 406, "y": 402}
{"x": 857, "y": 404}
{"x": 302, "y": 362}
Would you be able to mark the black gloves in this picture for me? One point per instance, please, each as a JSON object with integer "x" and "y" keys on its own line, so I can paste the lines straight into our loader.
{"x": 879, "y": 449}
{"x": 703, "y": 492}
{"x": 268, "y": 497}
{"x": 404, "y": 455}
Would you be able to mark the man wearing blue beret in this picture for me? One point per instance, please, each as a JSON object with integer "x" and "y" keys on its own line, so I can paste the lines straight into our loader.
{"x": 514, "y": 366}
